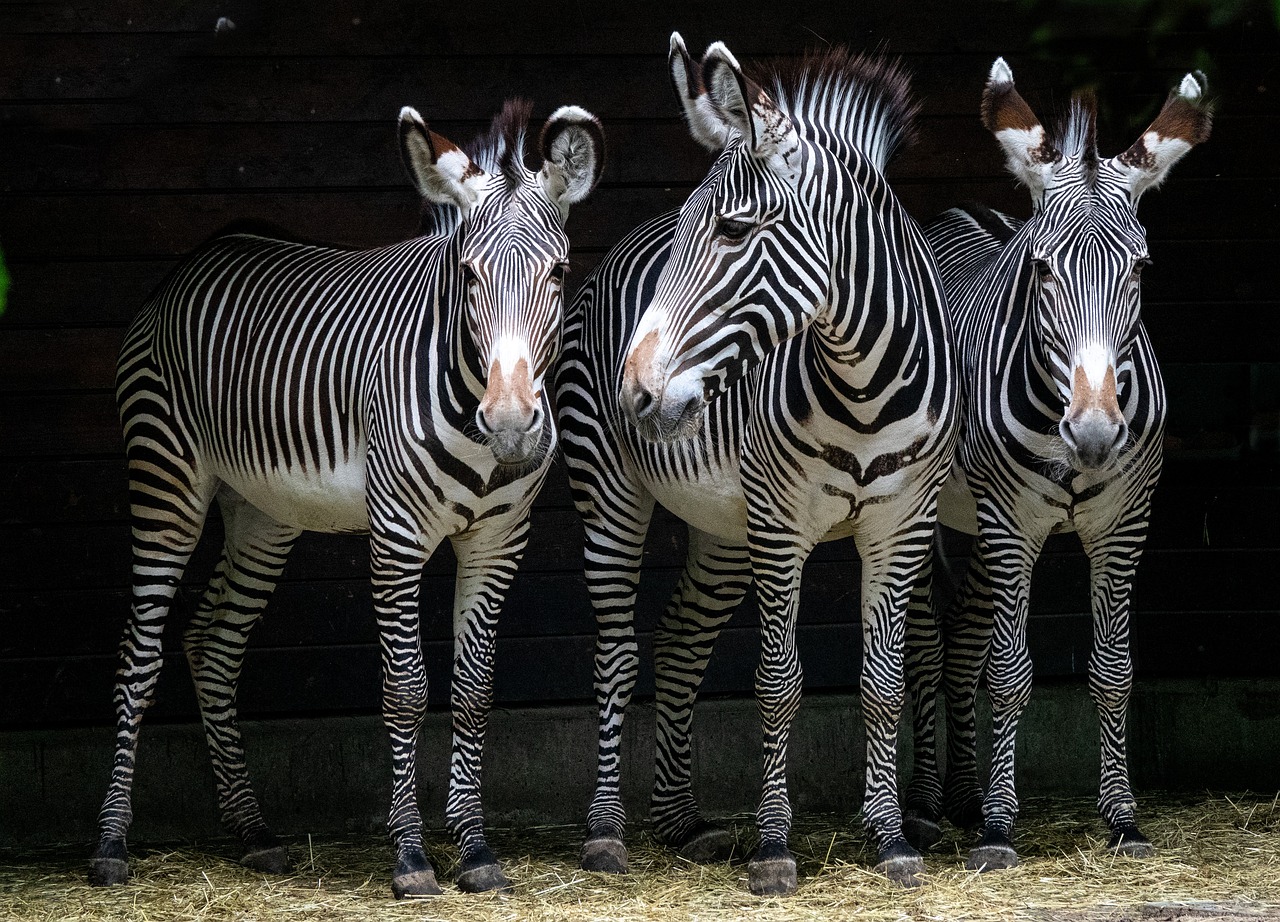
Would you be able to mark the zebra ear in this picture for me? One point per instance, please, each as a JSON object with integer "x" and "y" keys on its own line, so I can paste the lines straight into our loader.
{"x": 1183, "y": 122}
{"x": 1027, "y": 150}
{"x": 572, "y": 147}
{"x": 441, "y": 171}
{"x": 743, "y": 105}
{"x": 706, "y": 125}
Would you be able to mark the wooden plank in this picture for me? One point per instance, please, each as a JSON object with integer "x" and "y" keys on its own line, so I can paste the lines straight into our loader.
{"x": 333, "y": 27}
{"x": 157, "y": 226}
{"x": 304, "y": 155}
{"x": 346, "y": 678}
{"x": 203, "y": 77}
{"x": 151, "y": 226}
{"x": 59, "y": 359}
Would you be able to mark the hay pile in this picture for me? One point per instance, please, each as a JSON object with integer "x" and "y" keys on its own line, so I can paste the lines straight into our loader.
{"x": 1219, "y": 858}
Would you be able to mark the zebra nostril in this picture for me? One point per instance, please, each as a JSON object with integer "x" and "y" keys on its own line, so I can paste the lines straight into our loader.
{"x": 535, "y": 420}
{"x": 1122, "y": 435}
{"x": 482, "y": 424}
{"x": 642, "y": 402}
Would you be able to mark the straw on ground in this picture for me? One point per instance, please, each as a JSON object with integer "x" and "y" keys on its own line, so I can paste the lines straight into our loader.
{"x": 1219, "y": 858}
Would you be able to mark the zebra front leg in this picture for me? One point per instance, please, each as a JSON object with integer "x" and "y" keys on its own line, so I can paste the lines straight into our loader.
{"x": 397, "y": 562}
{"x": 486, "y": 569}
{"x": 254, "y": 552}
{"x": 1009, "y": 557}
{"x": 776, "y": 562}
{"x": 1113, "y": 564}
{"x": 167, "y": 515}
{"x": 615, "y": 526}
{"x": 716, "y": 577}
{"x": 923, "y": 808}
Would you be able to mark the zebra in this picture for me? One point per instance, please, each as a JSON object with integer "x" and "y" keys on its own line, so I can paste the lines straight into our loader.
{"x": 396, "y": 391}
{"x": 772, "y": 364}
{"x": 1064, "y": 412}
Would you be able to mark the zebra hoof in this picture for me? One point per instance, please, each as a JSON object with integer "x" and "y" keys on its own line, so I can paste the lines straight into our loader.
{"x": 772, "y": 872}
{"x": 709, "y": 845}
{"x": 414, "y": 877}
{"x": 481, "y": 873}
{"x": 1130, "y": 842}
{"x": 604, "y": 854}
{"x": 110, "y": 863}
{"x": 994, "y": 853}
{"x": 902, "y": 865}
{"x": 274, "y": 860}
{"x": 107, "y": 872}
{"x": 922, "y": 832}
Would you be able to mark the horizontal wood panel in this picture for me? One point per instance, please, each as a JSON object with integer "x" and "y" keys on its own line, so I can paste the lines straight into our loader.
{"x": 155, "y": 226}
{"x": 199, "y": 78}
{"x": 346, "y": 679}
{"x": 333, "y": 27}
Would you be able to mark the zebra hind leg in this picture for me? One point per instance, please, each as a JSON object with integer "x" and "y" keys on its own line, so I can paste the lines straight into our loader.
{"x": 253, "y": 557}
{"x": 967, "y": 626}
{"x": 168, "y": 514}
{"x": 715, "y": 579}
{"x": 922, "y": 811}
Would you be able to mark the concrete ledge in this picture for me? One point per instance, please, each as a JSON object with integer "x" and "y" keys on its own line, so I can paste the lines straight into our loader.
{"x": 332, "y": 775}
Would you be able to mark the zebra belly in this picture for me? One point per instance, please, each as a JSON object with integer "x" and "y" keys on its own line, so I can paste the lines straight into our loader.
{"x": 325, "y": 501}
{"x": 713, "y": 503}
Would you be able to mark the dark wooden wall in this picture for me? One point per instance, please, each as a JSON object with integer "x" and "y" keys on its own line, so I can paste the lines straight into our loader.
{"x": 133, "y": 130}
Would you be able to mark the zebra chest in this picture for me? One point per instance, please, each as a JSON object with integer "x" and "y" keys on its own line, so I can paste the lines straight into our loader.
{"x": 329, "y": 500}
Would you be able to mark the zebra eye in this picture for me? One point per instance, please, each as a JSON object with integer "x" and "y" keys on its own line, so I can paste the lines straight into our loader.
{"x": 733, "y": 229}
{"x": 1043, "y": 270}
{"x": 469, "y": 276}
{"x": 1140, "y": 264}
{"x": 559, "y": 272}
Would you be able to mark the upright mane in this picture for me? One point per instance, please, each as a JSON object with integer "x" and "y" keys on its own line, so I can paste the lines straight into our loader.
{"x": 499, "y": 151}
{"x": 1076, "y": 135}
{"x": 863, "y": 101}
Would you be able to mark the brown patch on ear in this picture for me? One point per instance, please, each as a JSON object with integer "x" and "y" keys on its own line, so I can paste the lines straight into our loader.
{"x": 1003, "y": 107}
{"x": 1085, "y": 398}
{"x": 641, "y": 356}
{"x": 1180, "y": 118}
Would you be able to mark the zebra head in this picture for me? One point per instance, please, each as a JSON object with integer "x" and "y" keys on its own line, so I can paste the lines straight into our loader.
{"x": 744, "y": 273}
{"x": 1085, "y": 247}
{"x": 512, "y": 252}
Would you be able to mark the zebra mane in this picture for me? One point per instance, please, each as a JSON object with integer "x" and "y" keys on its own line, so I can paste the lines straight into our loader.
{"x": 1077, "y": 131}
{"x": 499, "y": 151}
{"x": 863, "y": 100}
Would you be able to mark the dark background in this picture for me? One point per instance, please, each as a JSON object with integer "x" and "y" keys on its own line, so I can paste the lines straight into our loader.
{"x": 132, "y": 130}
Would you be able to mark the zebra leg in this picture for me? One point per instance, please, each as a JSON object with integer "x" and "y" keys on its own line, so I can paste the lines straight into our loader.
{"x": 1009, "y": 557}
{"x": 778, "y": 553}
{"x": 397, "y": 562}
{"x": 890, "y": 574}
{"x": 168, "y": 502}
{"x": 485, "y": 571}
{"x": 924, "y": 677}
{"x": 716, "y": 577}
{"x": 615, "y": 527}
{"x": 966, "y": 645}
{"x": 253, "y": 557}
{"x": 1113, "y": 565}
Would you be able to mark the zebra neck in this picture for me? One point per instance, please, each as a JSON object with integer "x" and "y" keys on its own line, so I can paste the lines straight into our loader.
{"x": 450, "y": 372}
